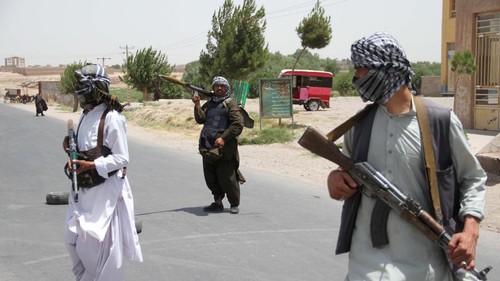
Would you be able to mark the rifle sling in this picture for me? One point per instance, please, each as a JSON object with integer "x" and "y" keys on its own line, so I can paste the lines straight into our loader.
{"x": 340, "y": 130}
{"x": 429, "y": 157}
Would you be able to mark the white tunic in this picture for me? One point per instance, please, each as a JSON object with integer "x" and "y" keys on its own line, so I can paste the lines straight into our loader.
{"x": 103, "y": 217}
{"x": 395, "y": 151}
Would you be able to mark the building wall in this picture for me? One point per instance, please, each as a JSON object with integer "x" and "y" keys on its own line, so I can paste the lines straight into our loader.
{"x": 15, "y": 61}
{"x": 50, "y": 90}
{"x": 430, "y": 86}
{"x": 465, "y": 40}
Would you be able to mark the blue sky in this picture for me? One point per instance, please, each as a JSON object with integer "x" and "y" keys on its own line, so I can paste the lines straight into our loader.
{"x": 64, "y": 31}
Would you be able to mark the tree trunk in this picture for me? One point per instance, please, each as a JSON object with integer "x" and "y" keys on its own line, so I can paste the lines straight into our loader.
{"x": 75, "y": 102}
{"x": 145, "y": 95}
{"x": 297, "y": 60}
{"x": 462, "y": 102}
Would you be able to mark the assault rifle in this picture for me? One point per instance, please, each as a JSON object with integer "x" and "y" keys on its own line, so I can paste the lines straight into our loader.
{"x": 73, "y": 155}
{"x": 374, "y": 182}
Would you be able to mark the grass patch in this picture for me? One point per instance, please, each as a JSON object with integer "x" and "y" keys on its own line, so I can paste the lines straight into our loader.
{"x": 123, "y": 94}
{"x": 275, "y": 134}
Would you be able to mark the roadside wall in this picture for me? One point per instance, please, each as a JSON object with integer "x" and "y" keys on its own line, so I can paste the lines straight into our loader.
{"x": 50, "y": 90}
{"x": 430, "y": 86}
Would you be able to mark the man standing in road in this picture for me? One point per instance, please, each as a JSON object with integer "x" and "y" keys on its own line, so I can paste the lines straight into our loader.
{"x": 40, "y": 104}
{"x": 388, "y": 138}
{"x": 100, "y": 226}
{"x": 218, "y": 145}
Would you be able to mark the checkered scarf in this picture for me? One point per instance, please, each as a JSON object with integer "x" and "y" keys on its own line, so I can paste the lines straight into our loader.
{"x": 389, "y": 68}
{"x": 89, "y": 78}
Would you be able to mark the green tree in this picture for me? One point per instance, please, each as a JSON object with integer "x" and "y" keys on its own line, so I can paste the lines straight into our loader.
{"x": 236, "y": 44}
{"x": 342, "y": 82}
{"x": 193, "y": 77}
{"x": 332, "y": 65}
{"x": 142, "y": 69}
{"x": 314, "y": 31}
{"x": 68, "y": 81}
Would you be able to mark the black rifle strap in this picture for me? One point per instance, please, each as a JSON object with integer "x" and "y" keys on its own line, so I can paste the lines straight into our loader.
{"x": 100, "y": 131}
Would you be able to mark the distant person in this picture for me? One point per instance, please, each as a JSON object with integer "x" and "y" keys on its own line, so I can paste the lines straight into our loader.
{"x": 100, "y": 227}
{"x": 218, "y": 145}
{"x": 40, "y": 104}
{"x": 388, "y": 138}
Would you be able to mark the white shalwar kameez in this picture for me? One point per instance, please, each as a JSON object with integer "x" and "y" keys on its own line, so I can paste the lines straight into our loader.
{"x": 395, "y": 151}
{"x": 100, "y": 227}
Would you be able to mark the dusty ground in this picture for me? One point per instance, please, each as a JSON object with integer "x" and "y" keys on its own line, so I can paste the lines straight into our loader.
{"x": 287, "y": 159}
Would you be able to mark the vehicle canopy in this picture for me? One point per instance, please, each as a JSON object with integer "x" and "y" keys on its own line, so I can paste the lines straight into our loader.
{"x": 304, "y": 72}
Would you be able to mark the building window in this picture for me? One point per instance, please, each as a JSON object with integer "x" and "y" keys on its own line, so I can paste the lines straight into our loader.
{"x": 450, "y": 50}
{"x": 453, "y": 11}
{"x": 487, "y": 58}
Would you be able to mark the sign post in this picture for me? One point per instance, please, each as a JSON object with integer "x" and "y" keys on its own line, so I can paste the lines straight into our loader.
{"x": 275, "y": 99}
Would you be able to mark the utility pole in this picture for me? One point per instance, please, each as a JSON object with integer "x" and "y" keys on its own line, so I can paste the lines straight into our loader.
{"x": 103, "y": 60}
{"x": 126, "y": 59}
{"x": 126, "y": 50}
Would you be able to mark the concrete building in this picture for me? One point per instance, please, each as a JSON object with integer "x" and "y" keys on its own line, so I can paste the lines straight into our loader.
{"x": 473, "y": 25}
{"x": 15, "y": 61}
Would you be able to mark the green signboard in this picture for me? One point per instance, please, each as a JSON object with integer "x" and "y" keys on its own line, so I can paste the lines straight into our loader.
{"x": 275, "y": 98}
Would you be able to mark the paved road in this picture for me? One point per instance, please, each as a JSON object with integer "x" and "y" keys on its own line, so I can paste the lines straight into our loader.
{"x": 286, "y": 230}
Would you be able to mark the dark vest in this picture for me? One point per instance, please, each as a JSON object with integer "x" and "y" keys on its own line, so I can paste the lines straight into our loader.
{"x": 216, "y": 122}
{"x": 439, "y": 118}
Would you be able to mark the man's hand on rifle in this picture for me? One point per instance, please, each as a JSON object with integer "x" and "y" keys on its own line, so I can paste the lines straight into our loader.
{"x": 82, "y": 165}
{"x": 462, "y": 246}
{"x": 341, "y": 185}
{"x": 195, "y": 99}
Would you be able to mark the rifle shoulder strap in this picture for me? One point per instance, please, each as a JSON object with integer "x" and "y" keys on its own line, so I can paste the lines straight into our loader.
{"x": 429, "y": 156}
{"x": 340, "y": 130}
{"x": 100, "y": 131}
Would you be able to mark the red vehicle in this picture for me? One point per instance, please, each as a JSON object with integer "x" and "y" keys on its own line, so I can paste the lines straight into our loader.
{"x": 311, "y": 88}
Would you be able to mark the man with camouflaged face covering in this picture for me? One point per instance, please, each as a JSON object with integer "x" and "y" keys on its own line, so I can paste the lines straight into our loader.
{"x": 218, "y": 145}
{"x": 389, "y": 139}
{"x": 100, "y": 227}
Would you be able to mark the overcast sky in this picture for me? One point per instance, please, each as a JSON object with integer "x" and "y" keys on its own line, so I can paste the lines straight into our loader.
{"x": 66, "y": 31}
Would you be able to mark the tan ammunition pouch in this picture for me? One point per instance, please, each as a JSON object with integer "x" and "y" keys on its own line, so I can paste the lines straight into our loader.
{"x": 211, "y": 154}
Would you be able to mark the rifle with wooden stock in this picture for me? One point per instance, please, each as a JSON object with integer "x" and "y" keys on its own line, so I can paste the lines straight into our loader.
{"x": 372, "y": 180}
